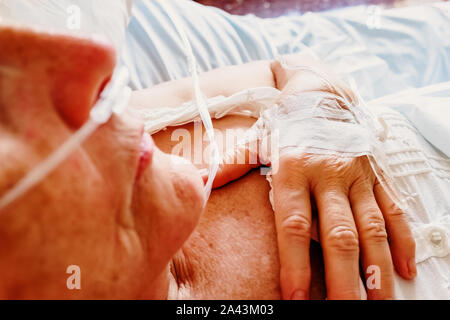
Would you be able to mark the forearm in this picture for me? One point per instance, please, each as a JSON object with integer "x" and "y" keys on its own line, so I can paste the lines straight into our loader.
{"x": 223, "y": 81}
{"x": 229, "y": 80}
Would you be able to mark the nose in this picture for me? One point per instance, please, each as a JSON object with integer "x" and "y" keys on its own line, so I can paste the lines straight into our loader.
{"x": 72, "y": 70}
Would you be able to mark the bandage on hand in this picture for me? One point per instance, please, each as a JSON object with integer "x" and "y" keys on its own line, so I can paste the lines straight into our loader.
{"x": 327, "y": 147}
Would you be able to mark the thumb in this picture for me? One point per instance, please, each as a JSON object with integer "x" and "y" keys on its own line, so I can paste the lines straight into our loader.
{"x": 235, "y": 163}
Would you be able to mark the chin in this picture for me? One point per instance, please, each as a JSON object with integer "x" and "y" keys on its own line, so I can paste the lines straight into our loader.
{"x": 168, "y": 202}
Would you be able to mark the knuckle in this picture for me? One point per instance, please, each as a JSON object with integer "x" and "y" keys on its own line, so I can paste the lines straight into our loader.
{"x": 374, "y": 228}
{"x": 334, "y": 196}
{"x": 330, "y": 184}
{"x": 343, "y": 239}
{"x": 395, "y": 212}
{"x": 296, "y": 227}
{"x": 361, "y": 186}
{"x": 292, "y": 161}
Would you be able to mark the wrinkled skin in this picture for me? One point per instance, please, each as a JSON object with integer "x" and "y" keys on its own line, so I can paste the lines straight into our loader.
{"x": 95, "y": 210}
{"x": 355, "y": 214}
{"x": 122, "y": 226}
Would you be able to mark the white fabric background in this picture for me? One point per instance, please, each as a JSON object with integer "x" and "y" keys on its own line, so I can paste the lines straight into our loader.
{"x": 106, "y": 18}
{"x": 410, "y": 49}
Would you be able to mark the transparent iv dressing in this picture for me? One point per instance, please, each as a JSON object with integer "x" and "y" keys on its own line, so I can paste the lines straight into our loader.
{"x": 199, "y": 99}
{"x": 361, "y": 113}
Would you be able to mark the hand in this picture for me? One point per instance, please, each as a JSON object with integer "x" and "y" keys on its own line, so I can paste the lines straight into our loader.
{"x": 356, "y": 216}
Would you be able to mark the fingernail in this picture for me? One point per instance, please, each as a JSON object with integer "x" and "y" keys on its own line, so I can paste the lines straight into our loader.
{"x": 299, "y": 295}
{"x": 412, "y": 267}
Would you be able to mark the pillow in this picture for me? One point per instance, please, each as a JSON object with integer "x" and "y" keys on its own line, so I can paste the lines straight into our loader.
{"x": 105, "y": 18}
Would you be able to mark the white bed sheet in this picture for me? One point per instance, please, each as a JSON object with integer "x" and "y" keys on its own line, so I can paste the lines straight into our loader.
{"x": 408, "y": 48}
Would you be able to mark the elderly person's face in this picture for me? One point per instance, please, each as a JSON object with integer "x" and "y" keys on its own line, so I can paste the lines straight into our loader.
{"x": 117, "y": 207}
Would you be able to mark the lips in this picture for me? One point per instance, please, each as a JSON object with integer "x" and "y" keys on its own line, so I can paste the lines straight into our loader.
{"x": 145, "y": 153}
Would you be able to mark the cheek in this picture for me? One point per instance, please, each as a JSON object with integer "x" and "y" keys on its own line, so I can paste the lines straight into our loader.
{"x": 76, "y": 164}
{"x": 66, "y": 220}
{"x": 71, "y": 205}
{"x": 80, "y": 187}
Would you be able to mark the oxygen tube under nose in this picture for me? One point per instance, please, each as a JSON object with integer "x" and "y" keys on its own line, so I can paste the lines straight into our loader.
{"x": 114, "y": 99}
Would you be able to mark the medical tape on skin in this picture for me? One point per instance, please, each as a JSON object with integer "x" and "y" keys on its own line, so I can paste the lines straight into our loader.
{"x": 324, "y": 123}
{"x": 250, "y": 103}
{"x": 315, "y": 122}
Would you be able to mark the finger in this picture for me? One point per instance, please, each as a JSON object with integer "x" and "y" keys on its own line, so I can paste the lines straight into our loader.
{"x": 235, "y": 163}
{"x": 339, "y": 240}
{"x": 376, "y": 256}
{"x": 401, "y": 241}
{"x": 293, "y": 222}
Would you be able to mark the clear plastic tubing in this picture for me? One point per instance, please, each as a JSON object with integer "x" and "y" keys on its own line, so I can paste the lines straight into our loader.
{"x": 199, "y": 98}
{"x": 114, "y": 98}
